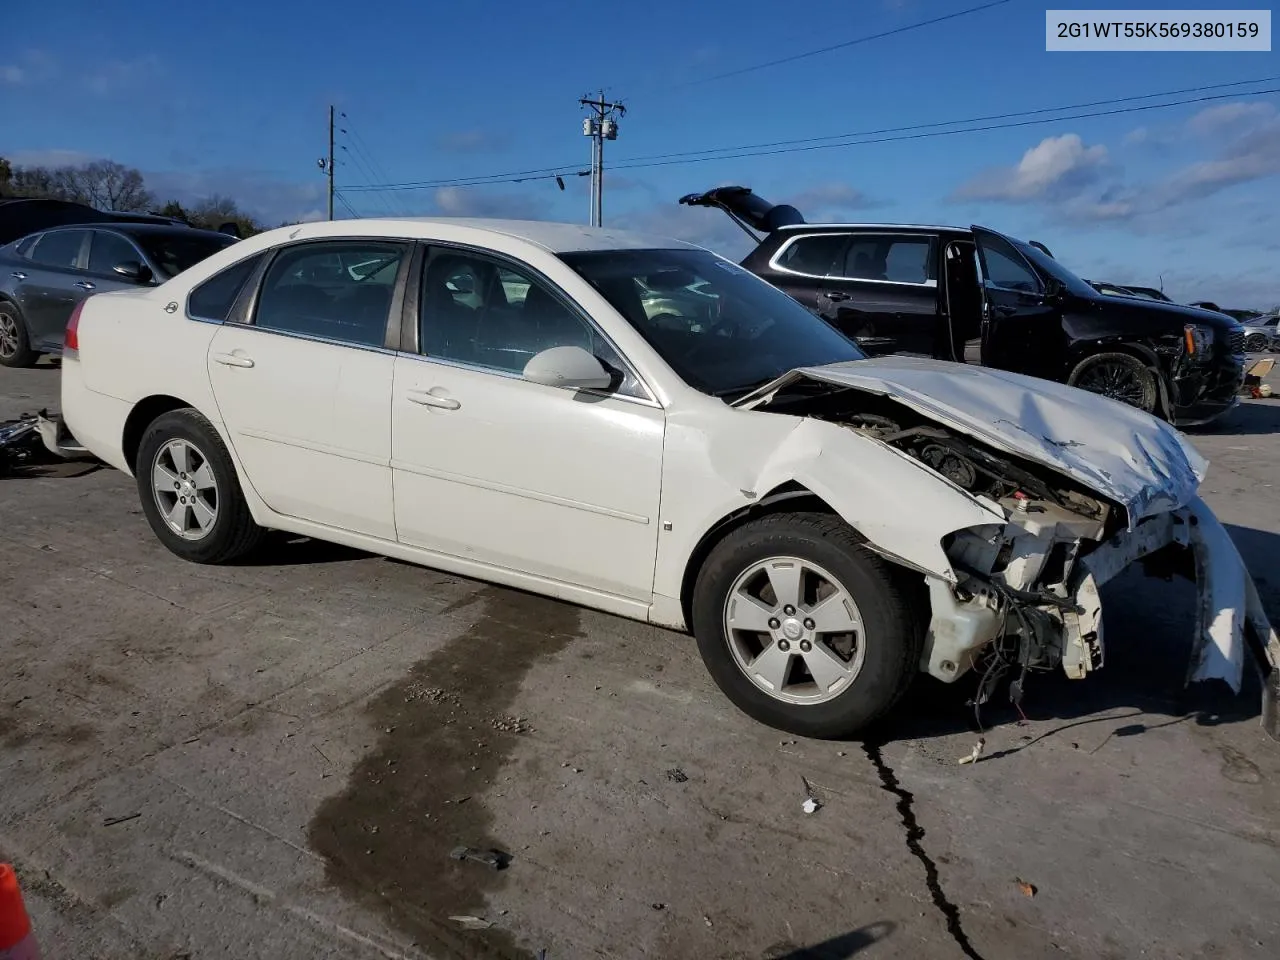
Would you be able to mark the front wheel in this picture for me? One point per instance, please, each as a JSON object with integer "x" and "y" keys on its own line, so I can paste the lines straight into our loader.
{"x": 803, "y": 628}
{"x": 1120, "y": 376}
{"x": 189, "y": 490}
{"x": 1255, "y": 343}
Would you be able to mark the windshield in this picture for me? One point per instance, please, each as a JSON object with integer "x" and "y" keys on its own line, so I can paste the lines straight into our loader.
{"x": 175, "y": 252}
{"x": 1046, "y": 264}
{"x": 723, "y": 330}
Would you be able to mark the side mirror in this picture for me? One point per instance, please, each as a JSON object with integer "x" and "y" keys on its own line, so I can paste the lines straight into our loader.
{"x": 133, "y": 270}
{"x": 570, "y": 367}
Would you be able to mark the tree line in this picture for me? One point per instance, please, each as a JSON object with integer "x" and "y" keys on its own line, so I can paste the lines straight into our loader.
{"x": 106, "y": 185}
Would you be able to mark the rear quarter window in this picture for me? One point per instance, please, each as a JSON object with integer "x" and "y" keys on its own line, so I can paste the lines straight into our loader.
{"x": 214, "y": 298}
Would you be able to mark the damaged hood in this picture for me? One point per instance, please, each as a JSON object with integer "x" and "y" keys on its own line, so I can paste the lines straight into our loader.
{"x": 1116, "y": 451}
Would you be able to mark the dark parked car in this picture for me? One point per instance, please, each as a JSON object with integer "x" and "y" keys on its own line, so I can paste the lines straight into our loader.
{"x": 906, "y": 288}
{"x": 43, "y": 276}
{"x": 22, "y": 216}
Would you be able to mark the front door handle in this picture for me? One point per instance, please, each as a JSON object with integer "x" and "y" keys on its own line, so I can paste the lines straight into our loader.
{"x": 232, "y": 360}
{"x": 18, "y": 275}
{"x": 836, "y": 296}
{"x": 431, "y": 400}
{"x": 86, "y": 285}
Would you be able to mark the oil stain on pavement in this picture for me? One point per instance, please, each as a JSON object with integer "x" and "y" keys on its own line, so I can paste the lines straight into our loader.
{"x": 445, "y": 732}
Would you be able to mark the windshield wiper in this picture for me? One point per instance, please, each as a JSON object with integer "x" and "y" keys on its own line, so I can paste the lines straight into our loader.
{"x": 743, "y": 390}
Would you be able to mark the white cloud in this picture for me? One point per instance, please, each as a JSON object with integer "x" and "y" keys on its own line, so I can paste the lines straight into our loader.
{"x": 1229, "y": 118}
{"x": 1053, "y": 167}
{"x": 471, "y": 141}
{"x": 826, "y": 201}
{"x": 116, "y": 76}
{"x": 264, "y": 196}
{"x": 48, "y": 158}
{"x": 12, "y": 74}
{"x": 479, "y": 202}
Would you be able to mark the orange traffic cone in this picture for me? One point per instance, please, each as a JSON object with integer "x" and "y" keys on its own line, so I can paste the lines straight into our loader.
{"x": 17, "y": 942}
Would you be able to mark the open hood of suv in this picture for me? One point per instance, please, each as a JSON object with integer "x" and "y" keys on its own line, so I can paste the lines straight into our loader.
{"x": 1113, "y": 449}
{"x": 746, "y": 208}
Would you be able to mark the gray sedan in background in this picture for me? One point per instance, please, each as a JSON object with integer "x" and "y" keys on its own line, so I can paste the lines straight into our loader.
{"x": 44, "y": 275}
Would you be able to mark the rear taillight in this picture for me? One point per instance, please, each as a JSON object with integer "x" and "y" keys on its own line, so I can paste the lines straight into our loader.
{"x": 72, "y": 339}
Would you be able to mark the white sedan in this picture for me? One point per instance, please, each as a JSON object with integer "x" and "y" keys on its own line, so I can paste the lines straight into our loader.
{"x": 637, "y": 425}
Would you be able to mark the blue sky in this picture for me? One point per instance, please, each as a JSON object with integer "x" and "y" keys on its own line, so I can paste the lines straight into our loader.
{"x": 235, "y": 102}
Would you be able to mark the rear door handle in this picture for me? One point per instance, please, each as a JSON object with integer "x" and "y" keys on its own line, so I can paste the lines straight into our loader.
{"x": 86, "y": 285}
{"x": 836, "y": 295}
{"x": 232, "y": 360}
{"x": 18, "y": 275}
{"x": 431, "y": 400}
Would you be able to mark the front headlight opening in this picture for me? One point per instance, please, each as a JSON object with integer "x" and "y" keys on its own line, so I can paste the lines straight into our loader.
{"x": 1197, "y": 339}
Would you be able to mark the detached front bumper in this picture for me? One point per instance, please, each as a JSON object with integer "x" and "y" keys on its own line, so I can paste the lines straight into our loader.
{"x": 1201, "y": 393}
{"x": 1231, "y": 623}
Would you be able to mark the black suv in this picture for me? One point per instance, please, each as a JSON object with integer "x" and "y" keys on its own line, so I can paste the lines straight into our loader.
{"x": 949, "y": 292}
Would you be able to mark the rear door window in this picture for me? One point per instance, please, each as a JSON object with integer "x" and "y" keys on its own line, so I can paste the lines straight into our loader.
{"x": 59, "y": 248}
{"x": 891, "y": 259}
{"x": 339, "y": 290}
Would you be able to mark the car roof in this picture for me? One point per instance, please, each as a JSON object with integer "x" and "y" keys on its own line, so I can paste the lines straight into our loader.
{"x": 900, "y": 227}
{"x": 552, "y": 236}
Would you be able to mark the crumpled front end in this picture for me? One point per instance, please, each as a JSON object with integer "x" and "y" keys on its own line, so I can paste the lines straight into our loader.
{"x": 1029, "y": 597}
{"x": 1074, "y": 489}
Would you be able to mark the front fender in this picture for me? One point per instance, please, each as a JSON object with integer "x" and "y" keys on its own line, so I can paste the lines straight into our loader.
{"x": 898, "y": 505}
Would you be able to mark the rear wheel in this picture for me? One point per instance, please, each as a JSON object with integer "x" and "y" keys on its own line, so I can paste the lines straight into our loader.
{"x": 15, "y": 342}
{"x": 1120, "y": 376}
{"x": 802, "y": 627}
{"x": 189, "y": 490}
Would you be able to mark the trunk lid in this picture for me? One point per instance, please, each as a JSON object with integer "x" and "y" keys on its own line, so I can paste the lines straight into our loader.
{"x": 746, "y": 209}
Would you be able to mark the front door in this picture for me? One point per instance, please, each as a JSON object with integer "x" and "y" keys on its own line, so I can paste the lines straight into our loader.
{"x": 489, "y": 467}
{"x": 1020, "y": 320}
{"x": 304, "y": 387}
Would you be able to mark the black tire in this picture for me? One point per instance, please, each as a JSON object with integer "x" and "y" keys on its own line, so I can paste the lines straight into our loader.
{"x": 15, "y": 347}
{"x": 1120, "y": 376}
{"x": 233, "y": 533}
{"x": 1256, "y": 343}
{"x": 893, "y": 635}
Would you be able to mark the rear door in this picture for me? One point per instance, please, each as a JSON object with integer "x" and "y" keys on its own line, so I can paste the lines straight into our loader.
{"x": 1020, "y": 322}
{"x": 883, "y": 291}
{"x": 304, "y": 387}
{"x": 52, "y": 285}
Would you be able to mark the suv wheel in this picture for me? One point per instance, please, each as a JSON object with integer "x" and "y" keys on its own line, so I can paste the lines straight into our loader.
{"x": 1256, "y": 342}
{"x": 802, "y": 627}
{"x": 189, "y": 490}
{"x": 1120, "y": 376}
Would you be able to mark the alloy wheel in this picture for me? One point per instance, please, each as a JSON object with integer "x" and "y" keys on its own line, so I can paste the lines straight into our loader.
{"x": 8, "y": 335}
{"x": 185, "y": 489}
{"x": 1114, "y": 379}
{"x": 794, "y": 630}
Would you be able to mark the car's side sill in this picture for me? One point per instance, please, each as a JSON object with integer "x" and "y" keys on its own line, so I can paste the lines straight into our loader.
{"x": 545, "y": 586}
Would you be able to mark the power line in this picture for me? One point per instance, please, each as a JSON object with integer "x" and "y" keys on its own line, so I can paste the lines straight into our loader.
{"x": 847, "y": 43}
{"x": 343, "y": 200}
{"x": 945, "y": 133}
{"x": 363, "y": 156}
{"x": 811, "y": 143}
{"x": 948, "y": 123}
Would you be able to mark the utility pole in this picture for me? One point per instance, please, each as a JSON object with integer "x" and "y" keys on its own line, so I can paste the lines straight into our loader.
{"x": 599, "y": 126}
{"x": 326, "y": 163}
